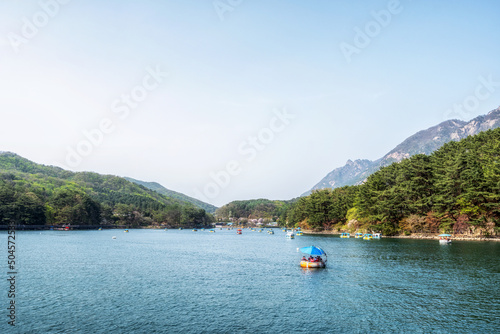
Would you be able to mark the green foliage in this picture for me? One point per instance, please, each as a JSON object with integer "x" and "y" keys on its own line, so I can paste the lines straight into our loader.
{"x": 457, "y": 188}
{"x": 33, "y": 194}
{"x": 253, "y": 209}
{"x": 323, "y": 208}
{"x": 173, "y": 194}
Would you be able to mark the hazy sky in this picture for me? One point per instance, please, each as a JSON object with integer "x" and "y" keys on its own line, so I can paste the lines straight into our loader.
{"x": 237, "y": 99}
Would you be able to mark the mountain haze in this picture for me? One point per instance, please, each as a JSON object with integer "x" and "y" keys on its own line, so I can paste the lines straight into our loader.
{"x": 423, "y": 142}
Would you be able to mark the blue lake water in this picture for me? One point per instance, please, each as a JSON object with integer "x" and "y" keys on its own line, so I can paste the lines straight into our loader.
{"x": 156, "y": 281}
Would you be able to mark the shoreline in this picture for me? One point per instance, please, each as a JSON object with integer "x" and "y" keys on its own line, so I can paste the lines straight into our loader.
{"x": 416, "y": 236}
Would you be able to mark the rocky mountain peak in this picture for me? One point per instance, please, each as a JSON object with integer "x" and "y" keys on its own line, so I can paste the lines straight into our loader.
{"x": 423, "y": 142}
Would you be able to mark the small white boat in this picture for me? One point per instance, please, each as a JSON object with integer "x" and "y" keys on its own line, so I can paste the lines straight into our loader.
{"x": 290, "y": 235}
{"x": 377, "y": 235}
{"x": 445, "y": 239}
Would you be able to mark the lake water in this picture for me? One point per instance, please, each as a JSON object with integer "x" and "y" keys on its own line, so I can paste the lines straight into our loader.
{"x": 156, "y": 281}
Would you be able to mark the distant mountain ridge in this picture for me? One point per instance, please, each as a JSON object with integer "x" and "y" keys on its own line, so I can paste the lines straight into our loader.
{"x": 174, "y": 194}
{"x": 423, "y": 142}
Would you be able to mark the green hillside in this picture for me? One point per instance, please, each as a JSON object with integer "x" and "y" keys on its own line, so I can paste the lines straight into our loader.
{"x": 34, "y": 194}
{"x": 173, "y": 194}
{"x": 254, "y": 209}
{"x": 423, "y": 142}
{"x": 456, "y": 189}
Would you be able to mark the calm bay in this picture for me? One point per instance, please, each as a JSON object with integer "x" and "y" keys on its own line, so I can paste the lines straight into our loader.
{"x": 156, "y": 281}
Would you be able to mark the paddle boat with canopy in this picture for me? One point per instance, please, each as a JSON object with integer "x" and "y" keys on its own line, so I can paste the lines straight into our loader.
{"x": 317, "y": 257}
{"x": 445, "y": 239}
{"x": 345, "y": 235}
{"x": 358, "y": 235}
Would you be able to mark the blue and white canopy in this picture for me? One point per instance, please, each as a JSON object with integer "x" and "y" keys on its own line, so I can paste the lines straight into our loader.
{"x": 312, "y": 250}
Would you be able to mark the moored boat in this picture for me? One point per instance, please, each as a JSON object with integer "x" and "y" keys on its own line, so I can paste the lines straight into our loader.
{"x": 345, "y": 235}
{"x": 445, "y": 239}
{"x": 358, "y": 235}
{"x": 377, "y": 235}
{"x": 367, "y": 236}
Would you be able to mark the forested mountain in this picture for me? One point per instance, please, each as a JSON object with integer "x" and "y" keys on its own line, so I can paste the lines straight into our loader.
{"x": 423, "y": 142}
{"x": 34, "y": 194}
{"x": 174, "y": 194}
{"x": 254, "y": 209}
{"x": 455, "y": 189}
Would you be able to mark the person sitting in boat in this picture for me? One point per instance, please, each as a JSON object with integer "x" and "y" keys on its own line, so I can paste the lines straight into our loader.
{"x": 310, "y": 259}
{"x": 304, "y": 258}
{"x": 318, "y": 259}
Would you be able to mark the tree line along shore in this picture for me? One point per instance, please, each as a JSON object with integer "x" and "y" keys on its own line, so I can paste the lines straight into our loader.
{"x": 427, "y": 236}
{"x": 454, "y": 190}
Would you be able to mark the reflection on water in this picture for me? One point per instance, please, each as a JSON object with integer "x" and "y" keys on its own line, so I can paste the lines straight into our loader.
{"x": 152, "y": 281}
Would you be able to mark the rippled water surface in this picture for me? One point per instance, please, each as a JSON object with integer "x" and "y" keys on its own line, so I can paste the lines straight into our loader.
{"x": 156, "y": 281}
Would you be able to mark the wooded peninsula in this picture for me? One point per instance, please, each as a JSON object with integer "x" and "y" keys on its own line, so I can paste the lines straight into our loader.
{"x": 456, "y": 189}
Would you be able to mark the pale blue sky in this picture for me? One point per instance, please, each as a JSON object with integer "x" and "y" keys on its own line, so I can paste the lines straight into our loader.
{"x": 226, "y": 79}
